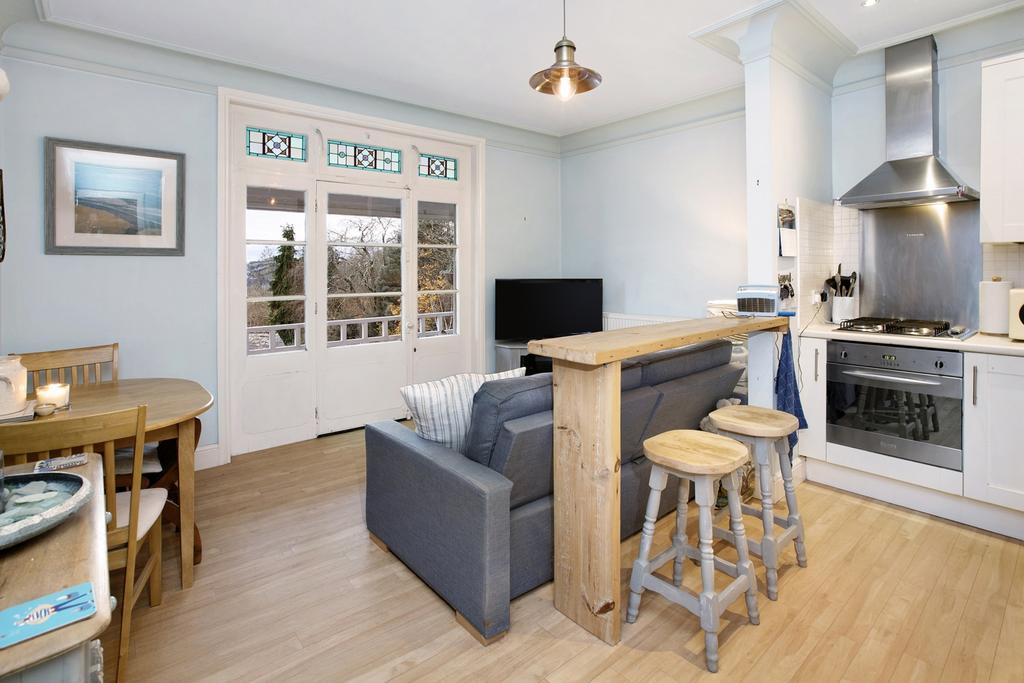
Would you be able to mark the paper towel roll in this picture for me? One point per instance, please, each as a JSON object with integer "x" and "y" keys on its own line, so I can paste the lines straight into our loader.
{"x": 993, "y": 304}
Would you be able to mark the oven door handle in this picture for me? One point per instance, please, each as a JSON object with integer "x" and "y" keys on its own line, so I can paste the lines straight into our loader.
{"x": 890, "y": 378}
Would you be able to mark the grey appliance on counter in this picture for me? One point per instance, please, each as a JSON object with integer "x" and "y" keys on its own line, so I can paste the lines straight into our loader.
{"x": 896, "y": 401}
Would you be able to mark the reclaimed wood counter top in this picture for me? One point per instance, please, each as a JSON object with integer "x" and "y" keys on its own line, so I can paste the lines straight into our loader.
{"x": 586, "y": 385}
{"x": 599, "y": 348}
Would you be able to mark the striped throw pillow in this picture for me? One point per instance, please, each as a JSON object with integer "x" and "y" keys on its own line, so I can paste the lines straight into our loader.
{"x": 442, "y": 408}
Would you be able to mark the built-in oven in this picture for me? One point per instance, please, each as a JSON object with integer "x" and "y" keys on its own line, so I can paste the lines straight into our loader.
{"x": 897, "y": 401}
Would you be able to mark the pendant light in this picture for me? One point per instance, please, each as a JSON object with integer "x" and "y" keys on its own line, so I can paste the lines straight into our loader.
{"x": 565, "y": 77}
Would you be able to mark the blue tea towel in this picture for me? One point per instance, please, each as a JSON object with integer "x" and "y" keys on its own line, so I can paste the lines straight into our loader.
{"x": 787, "y": 394}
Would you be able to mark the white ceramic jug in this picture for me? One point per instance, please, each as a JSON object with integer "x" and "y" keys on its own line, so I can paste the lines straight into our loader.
{"x": 13, "y": 385}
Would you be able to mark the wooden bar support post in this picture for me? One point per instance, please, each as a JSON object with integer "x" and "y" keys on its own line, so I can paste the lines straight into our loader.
{"x": 586, "y": 483}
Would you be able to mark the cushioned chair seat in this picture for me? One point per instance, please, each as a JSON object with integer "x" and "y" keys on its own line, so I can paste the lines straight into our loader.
{"x": 151, "y": 504}
{"x": 150, "y": 460}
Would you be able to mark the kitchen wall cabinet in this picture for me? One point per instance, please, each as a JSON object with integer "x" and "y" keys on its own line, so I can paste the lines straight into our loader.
{"x": 993, "y": 448}
{"x": 1002, "y": 149}
{"x": 812, "y": 396}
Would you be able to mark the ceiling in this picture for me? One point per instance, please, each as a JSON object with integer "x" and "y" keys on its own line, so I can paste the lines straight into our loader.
{"x": 474, "y": 57}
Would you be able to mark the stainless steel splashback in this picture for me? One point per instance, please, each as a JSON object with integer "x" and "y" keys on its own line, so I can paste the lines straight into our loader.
{"x": 922, "y": 262}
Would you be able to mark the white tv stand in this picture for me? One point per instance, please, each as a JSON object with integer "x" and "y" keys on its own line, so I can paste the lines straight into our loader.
{"x": 508, "y": 355}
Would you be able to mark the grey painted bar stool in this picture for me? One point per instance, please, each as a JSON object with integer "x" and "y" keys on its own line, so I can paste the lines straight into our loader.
{"x": 704, "y": 459}
{"x": 763, "y": 428}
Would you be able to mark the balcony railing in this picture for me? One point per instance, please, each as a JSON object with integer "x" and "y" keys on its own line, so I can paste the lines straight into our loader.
{"x": 267, "y": 338}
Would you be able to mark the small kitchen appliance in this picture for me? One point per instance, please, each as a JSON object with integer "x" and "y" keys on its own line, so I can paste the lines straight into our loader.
{"x": 758, "y": 300}
{"x": 1016, "y": 327}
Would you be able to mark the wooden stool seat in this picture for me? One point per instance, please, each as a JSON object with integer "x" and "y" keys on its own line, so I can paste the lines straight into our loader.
{"x": 754, "y": 421}
{"x": 695, "y": 452}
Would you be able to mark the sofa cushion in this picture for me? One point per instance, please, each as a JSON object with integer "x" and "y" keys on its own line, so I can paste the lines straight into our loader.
{"x": 637, "y": 409}
{"x": 632, "y": 374}
{"x": 665, "y": 366}
{"x": 687, "y": 400}
{"x": 441, "y": 409}
{"x": 497, "y": 402}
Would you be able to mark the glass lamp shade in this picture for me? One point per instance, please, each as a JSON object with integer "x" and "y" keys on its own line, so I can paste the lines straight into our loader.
{"x": 565, "y": 77}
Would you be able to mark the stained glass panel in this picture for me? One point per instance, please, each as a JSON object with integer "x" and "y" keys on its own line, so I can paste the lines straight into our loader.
{"x": 367, "y": 157}
{"x": 275, "y": 144}
{"x": 434, "y": 166}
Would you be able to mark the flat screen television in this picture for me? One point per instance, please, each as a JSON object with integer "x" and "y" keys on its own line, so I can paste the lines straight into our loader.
{"x": 541, "y": 308}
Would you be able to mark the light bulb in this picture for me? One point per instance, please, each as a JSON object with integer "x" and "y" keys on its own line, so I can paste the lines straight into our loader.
{"x": 566, "y": 88}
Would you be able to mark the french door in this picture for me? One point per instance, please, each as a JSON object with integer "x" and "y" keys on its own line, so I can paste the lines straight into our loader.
{"x": 352, "y": 263}
{"x": 388, "y": 264}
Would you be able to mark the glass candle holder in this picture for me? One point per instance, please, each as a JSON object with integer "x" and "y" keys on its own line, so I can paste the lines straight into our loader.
{"x": 57, "y": 394}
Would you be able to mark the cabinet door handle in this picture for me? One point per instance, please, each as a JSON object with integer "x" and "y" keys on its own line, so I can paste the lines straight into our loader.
{"x": 816, "y": 353}
{"x": 974, "y": 385}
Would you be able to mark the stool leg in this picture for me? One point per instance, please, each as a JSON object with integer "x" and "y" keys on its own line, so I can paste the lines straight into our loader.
{"x": 786, "y": 467}
{"x": 769, "y": 551}
{"x": 704, "y": 487}
{"x": 679, "y": 539}
{"x": 732, "y": 488}
{"x": 641, "y": 567}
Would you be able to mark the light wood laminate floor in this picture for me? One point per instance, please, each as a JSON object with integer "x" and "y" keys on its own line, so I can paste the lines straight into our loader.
{"x": 291, "y": 589}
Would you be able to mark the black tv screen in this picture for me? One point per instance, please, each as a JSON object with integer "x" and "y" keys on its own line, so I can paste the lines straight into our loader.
{"x": 538, "y": 309}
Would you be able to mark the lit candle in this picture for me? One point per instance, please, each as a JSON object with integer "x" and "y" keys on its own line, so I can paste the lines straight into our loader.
{"x": 57, "y": 394}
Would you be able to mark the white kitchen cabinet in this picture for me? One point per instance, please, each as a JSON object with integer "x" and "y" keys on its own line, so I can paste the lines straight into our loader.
{"x": 993, "y": 447}
{"x": 812, "y": 396}
{"x": 1002, "y": 149}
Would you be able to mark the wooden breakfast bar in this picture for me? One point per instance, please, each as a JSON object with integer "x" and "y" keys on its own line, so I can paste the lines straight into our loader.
{"x": 586, "y": 383}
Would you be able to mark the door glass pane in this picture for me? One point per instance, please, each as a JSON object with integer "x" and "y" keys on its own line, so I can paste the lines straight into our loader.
{"x": 436, "y": 315}
{"x": 364, "y": 256}
{"x": 436, "y": 269}
{"x": 276, "y": 326}
{"x": 437, "y": 259}
{"x": 363, "y": 319}
{"x": 275, "y": 214}
{"x": 275, "y": 269}
{"x": 354, "y": 219}
{"x": 436, "y": 223}
{"x": 359, "y": 270}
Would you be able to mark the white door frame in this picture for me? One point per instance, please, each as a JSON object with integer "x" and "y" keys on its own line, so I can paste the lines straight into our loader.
{"x": 227, "y": 98}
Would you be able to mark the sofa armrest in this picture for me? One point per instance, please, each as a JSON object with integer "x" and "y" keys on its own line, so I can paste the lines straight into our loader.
{"x": 446, "y": 517}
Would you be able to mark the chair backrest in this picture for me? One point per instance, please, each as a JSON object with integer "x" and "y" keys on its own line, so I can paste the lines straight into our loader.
{"x": 71, "y": 366}
{"x": 94, "y": 433}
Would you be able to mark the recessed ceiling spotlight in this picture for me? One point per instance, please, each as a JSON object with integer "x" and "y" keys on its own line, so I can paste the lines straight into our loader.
{"x": 868, "y": 3}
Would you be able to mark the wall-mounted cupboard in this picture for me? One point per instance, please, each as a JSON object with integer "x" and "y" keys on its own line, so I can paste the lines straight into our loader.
{"x": 1002, "y": 149}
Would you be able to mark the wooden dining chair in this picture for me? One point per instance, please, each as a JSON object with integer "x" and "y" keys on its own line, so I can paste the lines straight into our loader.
{"x": 95, "y": 364}
{"x": 134, "y": 515}
{"x": 85, "y": 365}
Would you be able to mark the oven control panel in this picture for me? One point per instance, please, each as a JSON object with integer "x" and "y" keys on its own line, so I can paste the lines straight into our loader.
{"x": 905, "y": 358}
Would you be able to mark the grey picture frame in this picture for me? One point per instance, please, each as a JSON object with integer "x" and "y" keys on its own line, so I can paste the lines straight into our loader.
{"x": 49, "y": 187}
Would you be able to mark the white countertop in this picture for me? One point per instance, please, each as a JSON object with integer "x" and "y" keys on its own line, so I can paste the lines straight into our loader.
{"x": 979, "y": 343}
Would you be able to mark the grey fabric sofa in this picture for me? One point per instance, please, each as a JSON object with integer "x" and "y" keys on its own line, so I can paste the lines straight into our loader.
{"x": 477, "y": 527}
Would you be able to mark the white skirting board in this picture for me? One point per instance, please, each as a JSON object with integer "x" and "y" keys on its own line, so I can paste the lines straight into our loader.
{"x": 957, "y": 508}
{"x": 210, "y": 456}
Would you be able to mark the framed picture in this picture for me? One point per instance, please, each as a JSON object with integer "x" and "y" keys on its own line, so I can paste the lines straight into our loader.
{"x": 105, "y": 199}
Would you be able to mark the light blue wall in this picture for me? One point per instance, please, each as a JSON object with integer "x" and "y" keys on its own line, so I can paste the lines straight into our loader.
{"x": 162, "y": 310}
{"x": 523, "y": 226}
{"x": 662, "y": 217}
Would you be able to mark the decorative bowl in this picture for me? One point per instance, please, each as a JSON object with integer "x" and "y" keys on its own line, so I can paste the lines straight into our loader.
{"x": 31, "y": 508}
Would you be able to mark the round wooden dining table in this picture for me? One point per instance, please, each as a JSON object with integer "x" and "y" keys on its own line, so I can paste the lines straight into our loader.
{"x": 171, "y": 405}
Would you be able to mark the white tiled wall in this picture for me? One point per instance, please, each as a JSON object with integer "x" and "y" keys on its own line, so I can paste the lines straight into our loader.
{"x": 1004, "y": 260}
{"x": 828, "y": 236}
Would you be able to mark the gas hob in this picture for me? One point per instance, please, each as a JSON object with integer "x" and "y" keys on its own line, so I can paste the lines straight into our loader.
{"x": 906, "y": 327}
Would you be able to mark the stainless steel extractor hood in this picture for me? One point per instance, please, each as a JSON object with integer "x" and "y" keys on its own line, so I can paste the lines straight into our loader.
{"x": 913, "y": 173}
